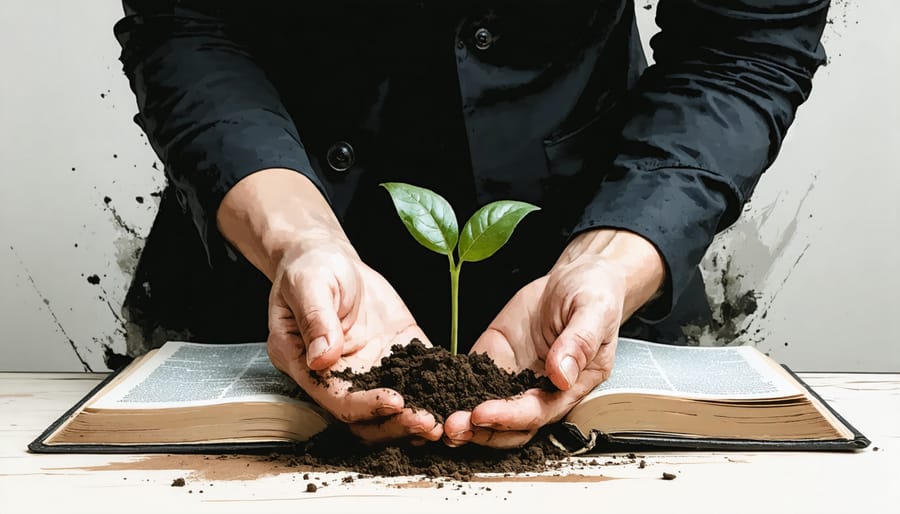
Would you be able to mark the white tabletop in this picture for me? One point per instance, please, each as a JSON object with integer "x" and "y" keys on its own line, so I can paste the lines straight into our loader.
{"x": 864, "y": 481}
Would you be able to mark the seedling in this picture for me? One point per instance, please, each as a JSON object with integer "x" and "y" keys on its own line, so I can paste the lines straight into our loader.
{"x": 432, "y": 222}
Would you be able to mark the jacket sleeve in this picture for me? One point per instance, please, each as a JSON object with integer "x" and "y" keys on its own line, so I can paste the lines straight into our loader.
{"x": 704, "y": 122}
{"x": 207, "y": 108}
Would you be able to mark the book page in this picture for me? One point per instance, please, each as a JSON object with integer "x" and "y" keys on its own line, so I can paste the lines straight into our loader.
{"x": 716, "y": 373}
{"x": 189, "y": 374}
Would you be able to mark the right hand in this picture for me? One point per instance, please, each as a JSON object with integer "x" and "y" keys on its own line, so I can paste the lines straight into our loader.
{"x": 329, "y": 310}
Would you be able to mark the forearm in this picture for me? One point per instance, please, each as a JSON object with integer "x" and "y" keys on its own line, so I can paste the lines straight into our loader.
{"x": 207, "y": 106}
{"x": 703, "y": 123}
{"x": 275, "y": 211}
{"x": 641, "y": 265}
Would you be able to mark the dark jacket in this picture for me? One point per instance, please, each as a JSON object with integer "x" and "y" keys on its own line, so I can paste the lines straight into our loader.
{"x": 547, "y": 102}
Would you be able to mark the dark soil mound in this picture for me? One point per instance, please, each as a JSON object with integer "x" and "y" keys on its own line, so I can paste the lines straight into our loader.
{"x": 442, "y": 383}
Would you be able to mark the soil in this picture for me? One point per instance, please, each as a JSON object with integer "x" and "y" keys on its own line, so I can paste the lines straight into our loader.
{"x": 433, "y": 379}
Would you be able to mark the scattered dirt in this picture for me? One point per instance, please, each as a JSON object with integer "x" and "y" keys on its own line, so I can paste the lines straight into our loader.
{"x": 311, "y": 487}
{"x": 338, "y": 450}
{"x": 178, "y": 482}
{"x": 668, "y": 476}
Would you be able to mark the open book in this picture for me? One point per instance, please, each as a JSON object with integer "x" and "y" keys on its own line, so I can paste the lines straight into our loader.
{"x": 190, "y": 397}
{"x": 703, "y": 397}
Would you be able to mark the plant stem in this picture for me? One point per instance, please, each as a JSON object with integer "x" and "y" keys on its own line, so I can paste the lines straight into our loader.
{"x": 454, "y": 303}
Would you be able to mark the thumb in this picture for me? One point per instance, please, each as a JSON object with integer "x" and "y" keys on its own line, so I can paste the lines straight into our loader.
{"x": 576, "y": 346}
{"x": 314, "y": 304}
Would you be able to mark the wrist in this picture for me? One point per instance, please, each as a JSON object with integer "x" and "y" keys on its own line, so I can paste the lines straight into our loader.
{"x": 274, "y": 213}
{"x": 636, "y": 259}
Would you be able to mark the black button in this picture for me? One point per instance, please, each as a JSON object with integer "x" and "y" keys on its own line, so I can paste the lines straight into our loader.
{"x": 341, "y": 156}
{"x": 483, "y": 39}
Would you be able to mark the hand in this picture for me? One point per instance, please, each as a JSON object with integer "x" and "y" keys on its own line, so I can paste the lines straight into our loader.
{"x": 331, "y": 311}
{"x": 563, "y": 325}
{"x": 327, "y": 309}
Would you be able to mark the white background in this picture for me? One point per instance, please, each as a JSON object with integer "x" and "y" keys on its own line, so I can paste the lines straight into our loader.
{"x": 817, "y": 246}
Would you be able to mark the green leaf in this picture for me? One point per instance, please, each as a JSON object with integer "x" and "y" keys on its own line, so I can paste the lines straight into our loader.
{"x": 427, "y": 216}
{"x": 490, "y": 228}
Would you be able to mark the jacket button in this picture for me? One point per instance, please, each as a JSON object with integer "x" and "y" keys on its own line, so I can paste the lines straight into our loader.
{"x": 341, "y": 156}
{"x": 483, "y": 39}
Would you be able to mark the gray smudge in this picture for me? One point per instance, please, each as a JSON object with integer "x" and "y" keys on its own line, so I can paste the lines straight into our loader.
{"x": 737, "y": 305}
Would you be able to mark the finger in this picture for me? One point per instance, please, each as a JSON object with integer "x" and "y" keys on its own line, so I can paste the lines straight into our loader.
{"x": 458, "y": 428}
{"x": 501, "y": 439}
{"x": 508, "y": 423}
{"x": 334, "y": 395}
{"x": 282, "y": 349}
{"x": 408, "y": 423}
{"x": 315, "y": 308}
{"x": 579, "y": 343}
{"x": 526, "y": 412}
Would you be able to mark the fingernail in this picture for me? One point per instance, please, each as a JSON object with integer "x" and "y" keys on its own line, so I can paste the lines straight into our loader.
{"x": 385, "y": 410}
{"x": 316, "y": 349}
{"x": 569, "y": 368}
{"x": 464, "y": 435}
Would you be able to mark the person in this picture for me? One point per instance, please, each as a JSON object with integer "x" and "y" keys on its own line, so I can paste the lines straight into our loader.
{"x": 276, "y": 121}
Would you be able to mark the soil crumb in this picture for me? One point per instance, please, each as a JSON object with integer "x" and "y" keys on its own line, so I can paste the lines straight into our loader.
{"x": 668, "y": 476}
{"x": 178, "y": 482}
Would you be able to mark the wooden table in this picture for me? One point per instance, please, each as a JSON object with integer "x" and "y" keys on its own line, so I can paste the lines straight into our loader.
{"x": 864, "y": 481}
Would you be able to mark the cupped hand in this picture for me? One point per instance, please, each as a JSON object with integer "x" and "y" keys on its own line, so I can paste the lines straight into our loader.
{"x": 563, "y": 325}
{"x": 330, "y": 311}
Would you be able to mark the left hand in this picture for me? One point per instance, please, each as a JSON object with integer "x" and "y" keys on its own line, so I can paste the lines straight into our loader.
{"x": 563, "y": 325}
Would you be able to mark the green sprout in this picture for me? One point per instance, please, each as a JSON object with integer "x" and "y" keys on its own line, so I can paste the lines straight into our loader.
{"x": 432, "y": 222}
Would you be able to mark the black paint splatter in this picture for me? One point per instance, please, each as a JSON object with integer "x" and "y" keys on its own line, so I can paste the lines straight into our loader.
{"x": 93, "y": 279}
{"x": 113, "y": 360}
{"x": 65, "y": 334}
{"x": 106, "y": 200}
{"x": 139, "y": 199}
{"x": 118, "y": 219}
